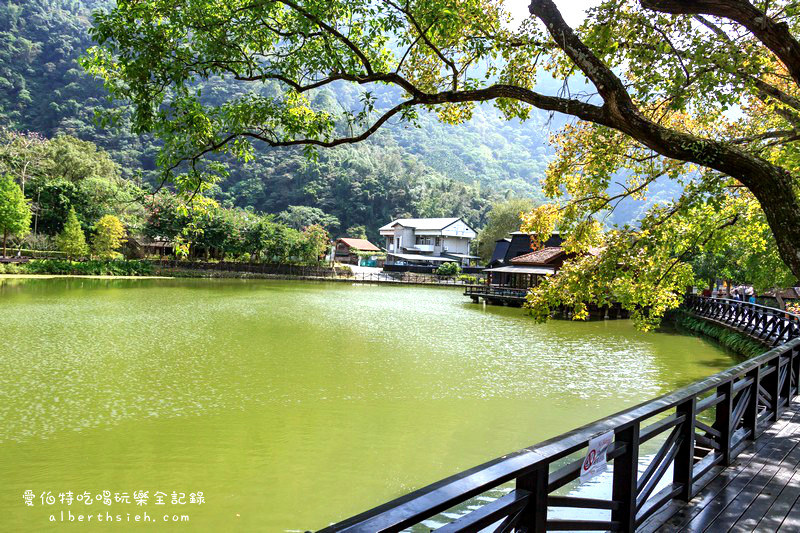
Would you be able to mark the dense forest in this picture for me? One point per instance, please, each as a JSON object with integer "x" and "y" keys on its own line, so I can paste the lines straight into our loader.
{"x": 431, "y": 170}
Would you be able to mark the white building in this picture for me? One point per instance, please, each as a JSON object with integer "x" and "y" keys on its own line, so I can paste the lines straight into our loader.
{"x": 426, "y": 241}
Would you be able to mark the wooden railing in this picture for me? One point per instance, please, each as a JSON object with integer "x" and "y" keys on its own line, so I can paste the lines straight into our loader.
{"x": 692, "y": 432}
{"x": 489, "y": 290}
{"x": 314, "y": 273}
{"x": 766, "y": 324}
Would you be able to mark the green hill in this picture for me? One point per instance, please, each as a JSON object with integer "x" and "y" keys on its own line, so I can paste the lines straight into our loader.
{"x": 433, "y": 170}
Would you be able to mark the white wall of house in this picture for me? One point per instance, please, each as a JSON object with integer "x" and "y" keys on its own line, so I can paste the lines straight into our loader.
{"x": 459, "y": 229}
{"x": 454, "y": 239}
{"x": 455, "y": 245}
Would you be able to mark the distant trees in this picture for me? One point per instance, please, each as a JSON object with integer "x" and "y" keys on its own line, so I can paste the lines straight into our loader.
{"x": 205, "y": 229}
{"x": 503, "y": 218}
{"x": 109, "y": 236}
{"x": 302, "y": 216}
{"x": 15, "y": 213}
{"x": 65, "y": 172}
{"x": 356, "y": 232}
{"x": 72, "y": 240}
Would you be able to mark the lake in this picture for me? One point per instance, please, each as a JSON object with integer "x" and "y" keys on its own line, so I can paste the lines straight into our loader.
{"x": 289, "y": 405}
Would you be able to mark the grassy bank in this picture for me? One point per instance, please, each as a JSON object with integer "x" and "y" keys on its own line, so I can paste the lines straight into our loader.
{"x": 728, "y": 338}
{"x": 79, "y": 268}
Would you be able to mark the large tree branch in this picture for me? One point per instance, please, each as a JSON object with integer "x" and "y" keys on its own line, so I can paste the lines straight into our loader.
{"x": 764, "y": 179}
{"x": 608, "y": 85}
{"x": 423, "y": 33}
{"x": 761, "y": 86}
{"x": 333, "y": 31}
{"x": 588, "y": 112}
{"x": 775, "y": 35}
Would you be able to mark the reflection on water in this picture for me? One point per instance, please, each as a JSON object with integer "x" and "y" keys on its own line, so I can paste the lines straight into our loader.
{"x": 292, "y": 405}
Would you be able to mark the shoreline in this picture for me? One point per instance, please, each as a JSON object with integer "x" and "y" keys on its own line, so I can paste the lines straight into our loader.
{"x": 204, "y": 274}
{"x": 83, "y": 276}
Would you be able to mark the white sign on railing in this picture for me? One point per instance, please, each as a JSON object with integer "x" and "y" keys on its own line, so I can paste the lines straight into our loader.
{"x": 595, "y": 462}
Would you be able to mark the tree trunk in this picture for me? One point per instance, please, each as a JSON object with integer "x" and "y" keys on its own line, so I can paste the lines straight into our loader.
{"x": 772, "y": 185}
{"x": 5, "y": 237}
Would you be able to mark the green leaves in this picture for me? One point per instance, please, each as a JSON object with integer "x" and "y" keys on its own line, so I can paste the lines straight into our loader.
{"x": 15, "y": 211}
{"x": 157, "y": 54}
{"x": 72, "y": 240}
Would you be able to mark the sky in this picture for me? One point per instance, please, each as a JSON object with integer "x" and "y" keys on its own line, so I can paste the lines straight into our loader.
{"x": 572, "y": 10}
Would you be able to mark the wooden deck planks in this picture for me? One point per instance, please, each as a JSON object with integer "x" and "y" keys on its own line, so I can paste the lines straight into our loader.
{"x": 779, "y": 510}
{"x": 764, "y": 500}
{"x": 759, "y": 492}
{"x": 746, "y": 507}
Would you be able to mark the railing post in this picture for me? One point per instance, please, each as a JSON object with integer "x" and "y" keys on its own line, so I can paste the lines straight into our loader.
{"x": 772, "y": 385}
{"x": 794, "y": 376}
{"x": 751, "y": 411}
{"x": 534, "y": 515}
{"x": 786, "y": 388}
{"x": 626, "y": 476}
{"x": 723, "y": 421}
{"x": 684, "y": 459}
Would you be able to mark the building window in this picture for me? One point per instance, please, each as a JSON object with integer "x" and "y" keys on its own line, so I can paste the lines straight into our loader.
{"x": 438, "y": 241}
{"x": 423, "y": 240}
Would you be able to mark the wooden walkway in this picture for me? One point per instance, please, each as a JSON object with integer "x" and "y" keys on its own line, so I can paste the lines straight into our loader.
{"x": 759, "y": 492}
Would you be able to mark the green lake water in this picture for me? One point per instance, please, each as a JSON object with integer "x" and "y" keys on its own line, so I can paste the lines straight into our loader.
{"x": 289, "y": 405}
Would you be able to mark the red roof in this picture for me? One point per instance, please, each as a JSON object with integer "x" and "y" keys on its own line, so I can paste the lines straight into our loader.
{"x": 539, "y": 257}
{"x": 360, "y": 244}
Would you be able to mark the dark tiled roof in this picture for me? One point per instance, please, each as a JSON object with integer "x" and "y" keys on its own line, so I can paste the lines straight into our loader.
{"x": 539, "y": 257}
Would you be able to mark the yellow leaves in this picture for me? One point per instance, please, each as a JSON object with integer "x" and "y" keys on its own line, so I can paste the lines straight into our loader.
{"x": 197, "y": 205}
{"x": 298, "y": 106}
{"x": 580, "y": 311}
{"x": 585, "y": 235}
{"x": 541, "y": 221}
{"x": 455, "y": 113}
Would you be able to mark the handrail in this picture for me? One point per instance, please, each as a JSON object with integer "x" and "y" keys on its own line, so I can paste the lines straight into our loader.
{"x": 765, "y": 324}
{"x": 488, "y": 290}
{"x": 745, "y": 399}
{"x": 742, "y": 303}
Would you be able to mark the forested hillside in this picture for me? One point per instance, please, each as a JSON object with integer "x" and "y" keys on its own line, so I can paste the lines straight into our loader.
{"x": 432, "y": 170}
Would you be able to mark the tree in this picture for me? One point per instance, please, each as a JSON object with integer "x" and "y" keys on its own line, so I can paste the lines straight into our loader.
{"x": 661, "y": 80}
{"x": 302, "y": 216}
{"x": 22, "y": 154}
{"x": 356, "y": 232}
{"x": 71, "y": 240}
{"x": 109, "y": 236}
{"x": 15, "y": 213}
{"x": 503, "y": 218}
{"x": 316, "y": 243}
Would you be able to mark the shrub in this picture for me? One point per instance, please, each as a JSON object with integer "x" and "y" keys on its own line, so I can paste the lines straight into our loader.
{"x": 467, "y": 278}
{"x": 449, "y": 269}
{"x": 343, "y": 270}
{"x": 89, "y": 268}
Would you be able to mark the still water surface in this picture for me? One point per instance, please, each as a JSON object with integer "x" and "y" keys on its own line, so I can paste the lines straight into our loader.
{"x": 290, "y": 405}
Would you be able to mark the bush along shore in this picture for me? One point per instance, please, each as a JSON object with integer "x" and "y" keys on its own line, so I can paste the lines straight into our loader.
{"x": 143, "y": 267}
{"x": 730, "y": 339}
{"x": 201, "y": 269}
{"x": 80, "y": 268}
